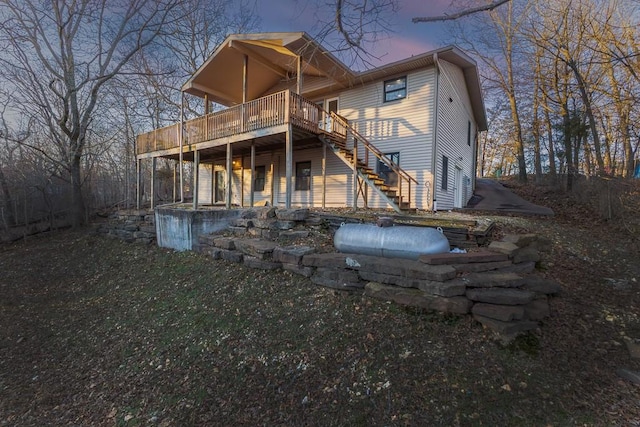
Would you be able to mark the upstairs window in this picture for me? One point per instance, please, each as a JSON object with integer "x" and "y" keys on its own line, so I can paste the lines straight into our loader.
{"x": 303, "y": 176}
{"x": 395, "y": 89}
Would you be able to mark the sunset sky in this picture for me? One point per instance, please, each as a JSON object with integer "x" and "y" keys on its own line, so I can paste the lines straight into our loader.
{"x": 406, "y": 40}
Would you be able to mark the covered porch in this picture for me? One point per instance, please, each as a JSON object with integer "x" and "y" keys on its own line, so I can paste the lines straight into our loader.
{"x": 233, "y": 137}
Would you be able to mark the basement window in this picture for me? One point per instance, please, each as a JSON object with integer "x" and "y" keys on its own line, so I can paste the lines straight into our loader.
{"x": 259, "y": 178}
{"x": 445, "y": 172}
{"x": 303, "y": 176}
{"x": 385, "y": 172}
{"x": 395, "y": 89}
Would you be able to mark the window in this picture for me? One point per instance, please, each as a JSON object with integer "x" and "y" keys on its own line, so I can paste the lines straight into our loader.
{"x": 395, "y": 89}
{"x": 385, "y": 172}
{"x": 469, "y": 133}
{"x": 445, "y": 172}
{"x": 259, "y": 178}
{"x": 303, "y": 176}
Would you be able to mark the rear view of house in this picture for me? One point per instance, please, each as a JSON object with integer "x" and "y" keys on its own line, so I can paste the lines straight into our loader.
{"x": 299, "y": 128}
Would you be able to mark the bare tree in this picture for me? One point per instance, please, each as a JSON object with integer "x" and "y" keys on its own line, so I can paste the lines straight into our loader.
{"x": 61, "y": 55}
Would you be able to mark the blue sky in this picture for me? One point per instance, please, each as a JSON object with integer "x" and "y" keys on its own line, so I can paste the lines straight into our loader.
{"x": 407, "y": 38}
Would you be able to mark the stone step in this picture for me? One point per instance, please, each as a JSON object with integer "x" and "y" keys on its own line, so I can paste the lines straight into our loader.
{"x": 504, "y": 296}
{"x": 493, "y": 280}
{"x": 391, "y": 266}
{"x": 258, "y": 248}
{"x": 417, "y": 298}
{"x": 470, "y": 257}
{"x": 506, "y": 329}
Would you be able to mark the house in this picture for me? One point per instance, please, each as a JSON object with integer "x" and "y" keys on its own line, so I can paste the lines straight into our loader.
{"x": 299, "y": 128}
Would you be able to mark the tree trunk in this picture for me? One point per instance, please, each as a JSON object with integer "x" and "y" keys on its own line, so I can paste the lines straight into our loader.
{"x": 551, "y": 148}
{"x": 7, "y": 199}
{"x": 589, "y": 112}
{"x": 568, "y": 150}
{"x": 78, "y": 209}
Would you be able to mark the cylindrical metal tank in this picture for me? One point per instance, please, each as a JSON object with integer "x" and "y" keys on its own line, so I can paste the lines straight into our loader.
{"x": 390, "y": 242}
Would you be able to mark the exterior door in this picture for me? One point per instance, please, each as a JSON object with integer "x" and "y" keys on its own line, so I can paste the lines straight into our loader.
{"x": 458, "y": 190}
{"x": 330, "y": 106}
{"x": 220, "y": 185}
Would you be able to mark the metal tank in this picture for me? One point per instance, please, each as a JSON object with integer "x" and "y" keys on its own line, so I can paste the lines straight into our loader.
{"x": 391, "y": 242}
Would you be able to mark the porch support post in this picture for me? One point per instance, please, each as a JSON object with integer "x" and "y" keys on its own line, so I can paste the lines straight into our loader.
{"x": 206, "y": 119}
{"x": 181, "y": 141}
{"x": 288, "y": 148}
{"x": 196, "y": 178}
{"x": 324, "y": 175}
{"x": 138, "y": 182}
{"x": 253, "y": 172}
{"x": 245, "y": 71}
{"x": 175, "y": 181}
{"x": 355, "y": 174}
{"x": 299, "y": 75}
{"x": 229, "y": 176}
{"x": 153, "y": 182}
{"x": 272, "y": 173}
{"x": 242, "y": 181}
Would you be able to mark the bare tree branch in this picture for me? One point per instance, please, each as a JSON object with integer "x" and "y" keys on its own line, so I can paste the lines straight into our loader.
{"x": 465, "y": 12}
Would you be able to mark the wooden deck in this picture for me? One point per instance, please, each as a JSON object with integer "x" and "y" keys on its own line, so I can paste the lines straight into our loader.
{"x": 261, "y": 117}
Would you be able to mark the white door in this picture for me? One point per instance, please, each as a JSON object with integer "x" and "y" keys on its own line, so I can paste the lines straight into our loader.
{"x": 330, "y": 106}
{"x": 458, "y": 190}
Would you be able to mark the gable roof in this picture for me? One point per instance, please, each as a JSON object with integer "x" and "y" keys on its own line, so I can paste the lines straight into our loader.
{"x": 272, "y": 61}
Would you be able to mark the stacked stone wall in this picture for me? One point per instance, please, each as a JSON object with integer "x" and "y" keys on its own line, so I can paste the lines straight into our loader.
{"x": 496, "y": 285}
{"x": 130, "y": 226}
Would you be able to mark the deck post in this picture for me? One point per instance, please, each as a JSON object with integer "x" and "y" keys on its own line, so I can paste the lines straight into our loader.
{"x": 153, "y": 182}
{"x": 252, "y": 185}
{"x": 196, "y": 178}
{"x": 242, "y": 181}
{"x": 355, "y": 174}
{"x": 206, "y": 119}
{"x": 289, "y": 164}
{"x": 229, "y": 176}
{"x": 138, "y": 182}
{"x": 175, "y": 182}
{"x": 245, "y": 73}
{"x": 324, "y": 175}
{"x": 181, "y": 141}
{"x": 272, "y": 172}
{"x": 299, "y": 75}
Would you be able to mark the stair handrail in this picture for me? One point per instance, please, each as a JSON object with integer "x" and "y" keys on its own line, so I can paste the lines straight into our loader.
{"x": 373, "y": 149}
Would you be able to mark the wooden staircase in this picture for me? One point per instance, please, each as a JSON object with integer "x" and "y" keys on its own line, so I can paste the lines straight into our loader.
{"x": 336, "y": 137}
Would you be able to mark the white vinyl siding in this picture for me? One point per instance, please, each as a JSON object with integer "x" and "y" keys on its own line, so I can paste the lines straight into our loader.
{"x": 204, "y": 184}
{"x": 454, "y": 115}
{"x": 338, "y": 180}
{"x": 404, "y": 126}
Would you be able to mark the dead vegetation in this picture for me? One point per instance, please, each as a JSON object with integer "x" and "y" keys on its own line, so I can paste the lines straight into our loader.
{"x": 99, "y": 332}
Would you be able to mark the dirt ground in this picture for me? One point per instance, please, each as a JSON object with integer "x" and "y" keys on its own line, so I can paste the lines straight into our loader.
{"x": 94, "y": 331}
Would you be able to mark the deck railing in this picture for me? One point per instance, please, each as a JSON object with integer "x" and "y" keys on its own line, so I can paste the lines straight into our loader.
{"x": 159, "y": 139}
{"x": 272, "y": 110}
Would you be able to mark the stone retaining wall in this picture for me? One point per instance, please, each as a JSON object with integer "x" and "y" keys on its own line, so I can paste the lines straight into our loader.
{"x": 496, "y": 285}
{"x": 131, "y": 227}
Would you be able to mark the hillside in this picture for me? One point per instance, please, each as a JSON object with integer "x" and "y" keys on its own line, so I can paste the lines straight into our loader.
{"x": 99, "y": 332}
